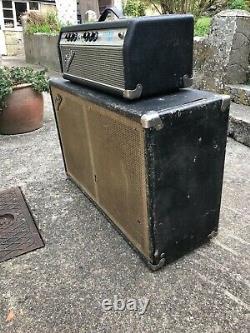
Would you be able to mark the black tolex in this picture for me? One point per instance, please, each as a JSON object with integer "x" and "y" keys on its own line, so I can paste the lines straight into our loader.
{"x": 184, "y": 159}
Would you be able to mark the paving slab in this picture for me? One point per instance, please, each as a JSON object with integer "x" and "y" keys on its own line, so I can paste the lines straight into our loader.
{"x": 60, "y": 288}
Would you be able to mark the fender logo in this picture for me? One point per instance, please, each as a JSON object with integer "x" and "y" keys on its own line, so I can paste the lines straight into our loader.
{"x": 57, "y": 102}
{"x": 68, "y": 59}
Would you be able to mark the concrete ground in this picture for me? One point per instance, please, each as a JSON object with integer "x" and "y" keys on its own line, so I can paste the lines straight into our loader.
{"x": 18, "y": 60}
{"x": 60, "y": 288}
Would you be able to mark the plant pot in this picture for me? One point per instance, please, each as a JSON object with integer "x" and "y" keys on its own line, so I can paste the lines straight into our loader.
{"x": 23, "y": 112}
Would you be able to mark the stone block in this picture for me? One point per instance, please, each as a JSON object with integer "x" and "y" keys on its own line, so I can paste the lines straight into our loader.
{"x": 225, "y": 57}
{"x": 239, "y": 93}
{"x": 14, "y": 42}
{"x": 239, "y": 123}
{"x": 41, "y": 49}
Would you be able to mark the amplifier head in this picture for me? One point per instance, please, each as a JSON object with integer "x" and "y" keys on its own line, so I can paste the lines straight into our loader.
{"x": 132, "y": 58}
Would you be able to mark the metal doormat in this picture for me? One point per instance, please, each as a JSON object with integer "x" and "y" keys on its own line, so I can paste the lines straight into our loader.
{"x": 18, "y": 231}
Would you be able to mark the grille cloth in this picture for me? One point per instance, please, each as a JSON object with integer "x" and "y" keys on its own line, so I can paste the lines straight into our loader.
{"x": 100, "y": 64}
{"x": 104, "y": 155}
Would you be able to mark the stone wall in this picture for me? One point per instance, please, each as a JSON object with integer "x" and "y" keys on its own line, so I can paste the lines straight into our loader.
{"x": 47, "y": 8}
{"x": 223, "y": 57}
{"x": 41, "y": 49}
{"x": 67, "y": 11}
{"x": 14, "y": 42}
{"x": 3, "y": 50}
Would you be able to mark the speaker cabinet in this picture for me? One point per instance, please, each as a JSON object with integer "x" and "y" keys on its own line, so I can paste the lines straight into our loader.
{"x": 154, "y": 167}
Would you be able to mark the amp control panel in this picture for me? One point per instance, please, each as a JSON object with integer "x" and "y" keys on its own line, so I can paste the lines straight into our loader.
{"x": 111, "y": 37}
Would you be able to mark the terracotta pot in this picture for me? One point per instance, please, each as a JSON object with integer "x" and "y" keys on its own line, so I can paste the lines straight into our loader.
{"x": 23, "y": 112}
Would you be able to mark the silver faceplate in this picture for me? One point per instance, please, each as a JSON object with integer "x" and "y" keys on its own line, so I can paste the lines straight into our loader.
{"x": 106, "y": 37}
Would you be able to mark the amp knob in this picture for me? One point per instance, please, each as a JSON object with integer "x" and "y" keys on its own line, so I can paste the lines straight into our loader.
{"x": 95, "y": 36}
{"x": 92, "y": 36}
{"x": 86, "y": 36}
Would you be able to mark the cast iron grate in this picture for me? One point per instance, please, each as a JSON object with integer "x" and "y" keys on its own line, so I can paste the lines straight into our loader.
{"x": 18, "y": 231}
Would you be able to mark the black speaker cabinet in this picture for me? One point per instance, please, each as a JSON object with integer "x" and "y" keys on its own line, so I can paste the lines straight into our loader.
{"x": 153, "y": 166}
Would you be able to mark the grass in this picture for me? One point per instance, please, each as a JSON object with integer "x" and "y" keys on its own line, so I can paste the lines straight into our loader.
{"x": 202, "y": 26}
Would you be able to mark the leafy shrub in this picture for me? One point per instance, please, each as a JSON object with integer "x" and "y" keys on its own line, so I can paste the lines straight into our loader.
{"x": 202, "y": 26}
{"x": 134, "y": 8}
{"x": 197, "y": 7}
{"x": 37, "y": 22}
{"x": 14, "y": 76}
{"x": 238, "y": 4}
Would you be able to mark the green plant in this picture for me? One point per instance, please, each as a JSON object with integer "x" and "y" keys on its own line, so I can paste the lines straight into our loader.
{"x": 202, "y": 26}
{"x": 13, "y": 76}
{"x": 134, "y": 8}
{"x": 39, "y": 23}
{"x": 238, "y": 4}
{"x": 196, "y": 7}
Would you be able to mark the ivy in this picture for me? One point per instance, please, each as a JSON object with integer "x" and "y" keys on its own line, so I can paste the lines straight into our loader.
{"x": 238, "y": 4}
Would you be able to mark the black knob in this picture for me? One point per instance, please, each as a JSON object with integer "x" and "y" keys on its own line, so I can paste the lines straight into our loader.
{"x": 86, "y": 36}
{"x": 95, "y": 36}
{"x": 91, "y": 36}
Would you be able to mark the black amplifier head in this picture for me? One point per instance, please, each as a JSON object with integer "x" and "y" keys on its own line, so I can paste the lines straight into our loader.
{"x": 133, "y": 58}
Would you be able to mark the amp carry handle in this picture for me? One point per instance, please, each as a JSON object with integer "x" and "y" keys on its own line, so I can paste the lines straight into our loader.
{"x": 108, "y": 10}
